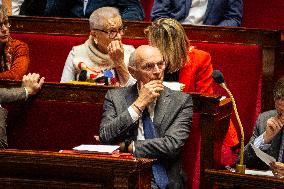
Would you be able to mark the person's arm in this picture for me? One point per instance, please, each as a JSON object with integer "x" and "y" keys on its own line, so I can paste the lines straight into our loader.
{"x": 20, "y": 63}
{"x": 130, "y": 10}
{"x": 161, "y": 9}
{"x": 175, "y": 136}
{"x": 59, "y": 8}
{"x": 204, "y": 81}
{"x": 11, "y": 95}
{"x": 68, "y": 73}
{"x": 233, "y": 13}
{"x": 113, "y": 126}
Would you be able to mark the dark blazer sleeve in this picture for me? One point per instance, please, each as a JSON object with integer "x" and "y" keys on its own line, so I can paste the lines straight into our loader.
{"x": 250, "y": 158}
{"x": 131, "y": 9}
{"x": 178, "y": 123}
{"x": 8, "y": 95}
{"x": 116, "y": 120}
{"x": 11, "y": 95}
{"x": 233, "y": 13}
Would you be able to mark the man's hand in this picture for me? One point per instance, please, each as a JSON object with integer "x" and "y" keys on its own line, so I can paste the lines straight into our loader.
{"x": 148, "y": 93}
{"x": 273, "y": 126}
{"x": 32, "y": 82}
{"x": 277, "y": 169}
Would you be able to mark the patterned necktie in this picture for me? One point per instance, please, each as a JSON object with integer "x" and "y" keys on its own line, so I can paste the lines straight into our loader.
{"x": 159, "y": 171}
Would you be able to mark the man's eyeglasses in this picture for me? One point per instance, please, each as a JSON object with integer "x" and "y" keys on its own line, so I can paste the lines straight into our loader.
{"x": 113, "y": 33}
{"x": 6, "y": 24}
{"x": 150, "y": 66}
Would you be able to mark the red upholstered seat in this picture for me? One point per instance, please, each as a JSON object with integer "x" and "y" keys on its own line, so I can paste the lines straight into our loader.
{"x": 48, "y": 53}
{"x": 52, "y": 125}
{"x": 191, "y": 154}
{"x": 240, "y": 64}
{"x": 242, "y": 69}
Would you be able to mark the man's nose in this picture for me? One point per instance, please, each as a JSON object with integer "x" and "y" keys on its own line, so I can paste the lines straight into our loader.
{"x": 118, "y": 36}
{"x": 157, "y": 69}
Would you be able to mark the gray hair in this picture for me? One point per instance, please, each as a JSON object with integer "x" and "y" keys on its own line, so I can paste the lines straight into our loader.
{"x": 99, "y": 17}
{"x": 278, "y": 91}
{"x": 132, "y": 59}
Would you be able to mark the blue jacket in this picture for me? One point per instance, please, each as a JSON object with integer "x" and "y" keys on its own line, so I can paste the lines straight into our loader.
{"x": 129, "y": 9}
{"x": 218, "y": 12}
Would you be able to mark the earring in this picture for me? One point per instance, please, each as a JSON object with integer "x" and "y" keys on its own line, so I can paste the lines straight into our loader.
{"x": 95, "y": 41}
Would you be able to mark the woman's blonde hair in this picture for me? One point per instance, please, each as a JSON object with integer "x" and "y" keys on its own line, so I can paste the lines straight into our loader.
{"x": 3, "y": 12}
{"x": 169, "y": 37}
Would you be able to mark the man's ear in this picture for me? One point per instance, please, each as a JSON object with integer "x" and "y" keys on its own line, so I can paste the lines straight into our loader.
{"x": 132, "y": 71}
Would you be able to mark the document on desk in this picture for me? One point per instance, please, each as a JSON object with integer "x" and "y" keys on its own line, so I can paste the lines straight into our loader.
{"x": 267, "y": 159}
{"x": 96, "y": 148}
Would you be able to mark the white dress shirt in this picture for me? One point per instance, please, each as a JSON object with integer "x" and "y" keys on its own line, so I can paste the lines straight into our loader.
{"x": 196, "y": 12}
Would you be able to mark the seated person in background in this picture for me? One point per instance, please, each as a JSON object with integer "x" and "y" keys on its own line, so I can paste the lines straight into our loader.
{"x": 16, "y": 4}
{"x": 102, "y": 59}
{"x": 200, "y": 12}
{"x": 148, "y": 119}
{"x": 130, "y": 10}
{"x": 31, "y": 84}
{"x": 14, "y": 54}
{"x": 268, "y": 134}
{"x": 33, "y": 7}
{"x": 185, "y": 63}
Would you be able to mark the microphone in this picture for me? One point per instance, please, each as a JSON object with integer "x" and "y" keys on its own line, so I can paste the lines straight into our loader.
{"x": 219, "y": 79}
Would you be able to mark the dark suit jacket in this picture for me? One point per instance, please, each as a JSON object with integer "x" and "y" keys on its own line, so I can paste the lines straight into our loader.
{"x": 250, "y": 159}
{"x": 129, "y": 9}
{"x": 8, "y": 95}
{"x": 172, "y": 120}
{"x": 218, "y": 12}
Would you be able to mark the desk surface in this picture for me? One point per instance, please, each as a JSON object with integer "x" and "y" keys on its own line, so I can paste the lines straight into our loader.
{"x": 227, "y": 179}
{"x": 44, "y": 169}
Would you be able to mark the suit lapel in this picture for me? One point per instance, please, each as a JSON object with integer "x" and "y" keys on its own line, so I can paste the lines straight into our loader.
{"x": 132, "y": 95}
{"x": 162, "y": 105}
{"x": 208, "y": 9}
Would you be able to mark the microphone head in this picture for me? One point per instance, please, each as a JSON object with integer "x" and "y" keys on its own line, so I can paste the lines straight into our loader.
{"x": 218, "y": 77}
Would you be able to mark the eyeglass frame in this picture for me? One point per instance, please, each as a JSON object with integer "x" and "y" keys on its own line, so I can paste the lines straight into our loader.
{"x": 121, "y": 31}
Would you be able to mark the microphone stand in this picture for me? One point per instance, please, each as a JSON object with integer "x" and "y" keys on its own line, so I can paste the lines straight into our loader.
{"x": 240, "y": 168}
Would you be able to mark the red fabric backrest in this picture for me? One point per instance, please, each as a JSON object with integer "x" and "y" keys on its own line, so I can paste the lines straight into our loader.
{"x": 191, "y": 154}
{"x": 263, "y": 14}
{"x": 52, "y": 125}
{"x": 48, "y": 53}
{"x": 241, "y": 66}
{"x": 147, "y": 6}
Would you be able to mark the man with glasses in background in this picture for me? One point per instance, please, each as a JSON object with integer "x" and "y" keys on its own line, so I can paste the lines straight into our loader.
{"x": 102, "y": 59}
{"x": 14, "y": 54}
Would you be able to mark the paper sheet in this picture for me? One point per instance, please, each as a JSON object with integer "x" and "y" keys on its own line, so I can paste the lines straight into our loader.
{"x": 96, "y": 148}
{"x": 176, "y": 86}
{"x": 267, "y": 159}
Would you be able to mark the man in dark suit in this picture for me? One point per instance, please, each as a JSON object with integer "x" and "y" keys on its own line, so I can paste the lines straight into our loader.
{"x": 200, "y": 12}
{"x": 268, "y": 134}
{"x": 129, "y": 9}
{"x": 148, "y": 119}
{"x": 31, "y": 84}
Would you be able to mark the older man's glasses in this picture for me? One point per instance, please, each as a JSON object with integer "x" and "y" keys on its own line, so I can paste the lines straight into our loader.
{"x": 6, "y": 24}
{"x": 113, "y": 33}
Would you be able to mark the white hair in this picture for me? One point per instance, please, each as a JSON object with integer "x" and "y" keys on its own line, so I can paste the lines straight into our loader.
{"x": 99, "y": 17}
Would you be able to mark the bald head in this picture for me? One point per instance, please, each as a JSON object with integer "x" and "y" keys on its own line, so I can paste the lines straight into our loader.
{"x": 143, "y": 53}
{"x": 146, "y": 64}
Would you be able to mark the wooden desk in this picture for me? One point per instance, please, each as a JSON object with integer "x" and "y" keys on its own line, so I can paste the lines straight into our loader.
{"x": 226, "y": 179}
{"x": 43, "y": 169}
